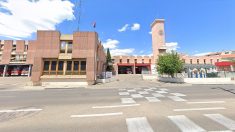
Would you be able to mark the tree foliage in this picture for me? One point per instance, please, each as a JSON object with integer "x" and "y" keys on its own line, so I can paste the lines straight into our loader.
{"x": 108, "y": 61}
{"x": 169, "y": 63}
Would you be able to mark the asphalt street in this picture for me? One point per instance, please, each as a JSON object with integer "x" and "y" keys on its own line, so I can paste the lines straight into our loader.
{"x": 137, "y": 109}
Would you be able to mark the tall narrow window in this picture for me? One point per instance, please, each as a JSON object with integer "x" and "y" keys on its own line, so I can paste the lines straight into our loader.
{"x": 217, "y": 60}
{"x": 204, "y": 61}
{"x": 53, "y": 67}
{"x": 211, "y": 61}
{"x": 135, "y": 61}
{"x": 62, "y": 47}
{"x": 191, "y": 61}
{"x": 69, "y": 68}
{"x": 197, "y": 61}
{"x": 60, "y": 68}
{"x": 83, "y": 68}
{"x": 76, "y": 68}
{"x": 128, "y": 60}
{"x": 149, "y": 61}
{"x": 120, "y": 60}
{"x": 69, "y": 47}
{"x": 46, "y": 67}
{"x": 143, "y": 61}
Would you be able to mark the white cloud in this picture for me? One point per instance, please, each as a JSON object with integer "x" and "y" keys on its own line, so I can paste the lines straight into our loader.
{"x": 202, "y": 54}
{"x": 150, "y": 32}
{"x": 19, "y": 19}
{"x": 172, "y": 46}
{"x": 117, "y": 52}
{"x": 124, "y": 28}
{"x": 135, "y": 26}
{"x": 110, "y": 43}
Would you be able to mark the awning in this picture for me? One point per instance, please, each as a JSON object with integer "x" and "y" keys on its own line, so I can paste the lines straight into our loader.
{"x": 224, "y": 63}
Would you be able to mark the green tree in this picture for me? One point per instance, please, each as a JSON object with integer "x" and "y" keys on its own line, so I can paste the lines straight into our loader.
{"x": 169, "y": 63}
{"x": 108, "y": 61}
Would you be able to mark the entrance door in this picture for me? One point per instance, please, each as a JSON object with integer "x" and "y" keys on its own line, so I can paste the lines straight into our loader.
{"x": 125, "y": 70}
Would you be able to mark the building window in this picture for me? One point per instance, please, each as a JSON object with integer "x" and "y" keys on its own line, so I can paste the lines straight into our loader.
{"x": 1, "y": 47}
{"x": 128, "y": 60}
{"x": 149, "y": 61}
{"x": 135, "y": 61}
{"x": 197, "y": 61}
{"x": 66, "y": 47}
{"x": 120, "y": 60}
{"x": 61, "y": 67}
{"x": 204, "y": 61}
{"x": 26, "y": 47}
{"x": 18, "y": 58}
{"x": 13, "y": 48}
{"x": 211, "y": 61}
{"x": 142, "y": 61}
{"x": 191, "y": 61}
{"x": 217, "y": 60}
{"x": 0, "y": 57}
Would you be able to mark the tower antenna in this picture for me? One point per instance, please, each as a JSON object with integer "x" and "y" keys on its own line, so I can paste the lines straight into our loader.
{"x": 79, "y": 13}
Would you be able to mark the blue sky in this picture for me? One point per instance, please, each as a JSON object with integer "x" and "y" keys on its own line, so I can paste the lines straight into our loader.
{"x": 197, "y": 26}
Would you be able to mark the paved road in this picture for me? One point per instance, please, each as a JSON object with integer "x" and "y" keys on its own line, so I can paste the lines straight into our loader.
{"x": 136, "y": 109}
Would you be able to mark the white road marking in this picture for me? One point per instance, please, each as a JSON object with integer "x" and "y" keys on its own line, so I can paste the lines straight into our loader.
{"x": 176, "y": 98}
{"x": 222, "y": 131}
{"x": 157, "y": 95}
{"x": 148, "y": 89}
{"x": 136, "y": 96}
{"x": 132, "y": 90}
{"x": 185, "y": 124}
{"x": 152, "y": 99}
{"x": 139, "y": 124}
{"x": 127, "y": 100}
{"x": 207, "y": 102}
{"x": 200, "y": 109}
{"x": 161, "y": 92}
{"x": 143, "y": 92}
{"x": 178, "y": 94}
{"x": 123, "y": 93}
{"x": 97, "y": 115}
{"x": 115, "y": 106}
{"x": 20, "y": 110}
{"x": 164, "y": 89}
{"x": 122, "y": 89}
{"x": 227, "y": 122}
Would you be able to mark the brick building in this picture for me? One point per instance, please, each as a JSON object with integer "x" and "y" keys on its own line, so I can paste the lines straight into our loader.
{"x": 54, "y": 57}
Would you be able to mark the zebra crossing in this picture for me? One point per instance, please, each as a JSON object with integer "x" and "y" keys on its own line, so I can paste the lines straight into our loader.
{"x": 183, "y": 123}
{"x": 149, "y": 94}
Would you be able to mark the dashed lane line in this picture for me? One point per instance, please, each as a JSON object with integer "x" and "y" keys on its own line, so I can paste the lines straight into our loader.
{"x": 200, "y": 109}
{"x": 115, "y": 106}
{"x": 97, "y": 115}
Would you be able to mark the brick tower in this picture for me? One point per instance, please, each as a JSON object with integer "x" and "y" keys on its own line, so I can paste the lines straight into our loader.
{"x": 158, "y": 38}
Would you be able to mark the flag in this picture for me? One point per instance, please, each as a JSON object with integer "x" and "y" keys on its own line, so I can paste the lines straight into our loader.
{"x": 94, "y": 25}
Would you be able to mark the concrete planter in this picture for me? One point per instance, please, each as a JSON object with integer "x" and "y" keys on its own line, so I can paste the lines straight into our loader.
{"x": 149, "y": 77}
{"x": 197, "y": 80}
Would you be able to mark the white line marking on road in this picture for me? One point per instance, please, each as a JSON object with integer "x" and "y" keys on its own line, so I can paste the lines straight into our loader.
{"x": 164, "y": 89}
{"x": 115, "y": 106}
{"x": 143, "y": 92}
{"x": 178, "y": 94}
{"x": 122, "y": 89}
{"x": 137, "y": 96}
{"x": 123, "y": 93}
{"x": 176, "y": 98}
{"x": 185, "y": 124}
{"x": 152, "y": 99}
{"x": 131, "y": 90}
{"x": 161, "y": 92}
{"x": 207, "y": 102}
{"x": 200, "y": 109}
{"x": 127, "y": 100}
{"x": 139, "y": 124}
{"x": 148, "y": 89}
{"x": 157, "y": 95}
{"x": 97, "y": 115}
{"x": 20, "y": 110}
{"x": 227, "y": 122}
{"x": 222, "y": 131}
